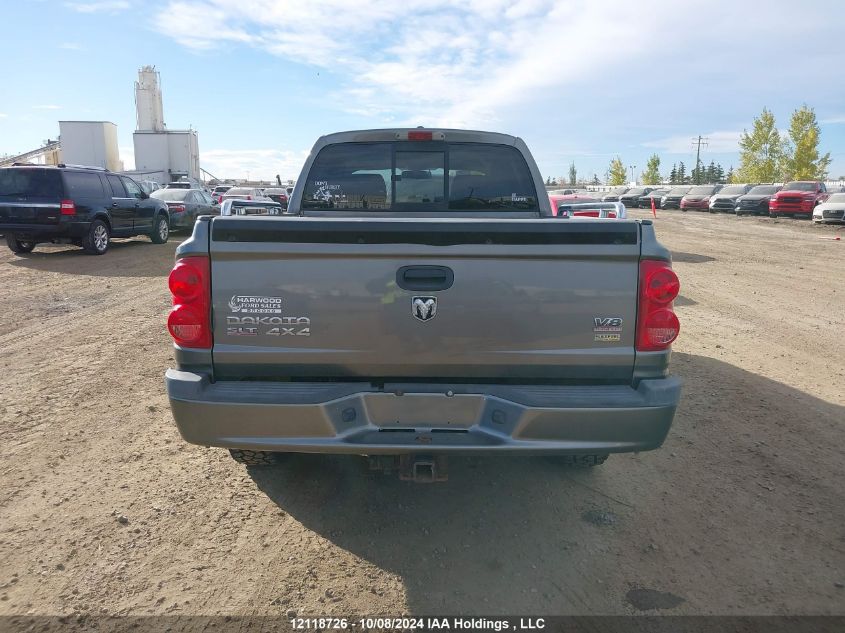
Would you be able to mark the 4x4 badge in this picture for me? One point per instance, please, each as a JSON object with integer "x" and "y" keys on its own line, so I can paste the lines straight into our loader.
{"x": 424, "y": 308}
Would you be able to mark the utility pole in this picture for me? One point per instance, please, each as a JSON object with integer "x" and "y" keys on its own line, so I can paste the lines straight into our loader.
{"x": 633, "y": 169}
{"x": 698, "y": 142}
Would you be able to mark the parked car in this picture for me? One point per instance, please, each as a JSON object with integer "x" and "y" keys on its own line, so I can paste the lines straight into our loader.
{"x": 672, "y": 200}
{"x": 831, "y": 211}
{"x": 799, "y": 197}
{"x": 289, "y": 191}
{"x": 149, "y": 186}
{"x": 756, "y": 201}
{"x": 597, "y": 210}
{"x": 186, "y": 183}
{"x": 631, "y": 197}
{"x": 235, "y": 206}
{"x": 185, "y": 205}
{"x": 218, "y": 192}
{"x": 338, "y": 330}
{"x": 613, "y": 194}
{"x": 572, "y": 198}
{"x": 698, "y": 197}
{"x": 726, "y": 199}
{"x": 277, "y": 194}
{"x": 644, "y": 202}
{"x": 85, "y": 206}
{"x": 244, "y": 193}
{"x": 563, "y": 192}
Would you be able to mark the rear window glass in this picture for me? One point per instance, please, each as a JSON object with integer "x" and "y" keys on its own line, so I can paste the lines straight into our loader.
{"x": 171, "y": 194}
{"x": 81, "y": 185}
{"x": 35, "y": 183}
{"x": 420, "y": 177}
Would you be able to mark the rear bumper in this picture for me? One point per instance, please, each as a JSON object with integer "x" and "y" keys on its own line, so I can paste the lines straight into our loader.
{"x": 46, "y": 231}
{"x": 357, "y": 419}
{"x": 182, "y": 220}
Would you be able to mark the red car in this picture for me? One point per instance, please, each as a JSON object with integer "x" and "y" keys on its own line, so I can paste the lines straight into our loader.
{"x": 698, "y": 197}
{"x": 602, "y": 210}
{"x": 277, "y": 194}
{"x": 571, "y": 198}
{"x": 798, "y": 198}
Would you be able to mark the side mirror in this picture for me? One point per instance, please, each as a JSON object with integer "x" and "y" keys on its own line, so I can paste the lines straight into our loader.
{"x": 144, "y": 195}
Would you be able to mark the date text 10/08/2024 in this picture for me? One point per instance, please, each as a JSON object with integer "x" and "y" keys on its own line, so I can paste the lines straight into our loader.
{"x": 426, "y": 624}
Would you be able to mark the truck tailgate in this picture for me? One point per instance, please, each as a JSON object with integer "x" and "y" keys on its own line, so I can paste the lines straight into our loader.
{"x": 424, "y": 298}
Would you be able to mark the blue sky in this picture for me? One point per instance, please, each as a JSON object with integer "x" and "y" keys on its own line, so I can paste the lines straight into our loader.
{"x": 580, "y": 81}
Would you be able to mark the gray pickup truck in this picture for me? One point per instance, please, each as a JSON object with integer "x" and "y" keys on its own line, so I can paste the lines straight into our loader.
{"x": 421, "y": 300}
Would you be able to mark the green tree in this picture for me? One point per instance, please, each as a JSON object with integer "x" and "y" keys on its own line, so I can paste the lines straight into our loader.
{"x": 573, "y": 175}
{"x": 682, "y": 174}
{"x": 730, "y": 176}
{"x": 651, "y": 175}
{"x": 617, "y": 174}
{"x": 803, "y": 161}
{"x": 596, "y": 180}
{"x": 761, "y": 152}
{"x": 673, "y": 175}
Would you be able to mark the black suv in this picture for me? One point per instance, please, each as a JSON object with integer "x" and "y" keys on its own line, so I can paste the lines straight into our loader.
{"x": 72, "y": 204}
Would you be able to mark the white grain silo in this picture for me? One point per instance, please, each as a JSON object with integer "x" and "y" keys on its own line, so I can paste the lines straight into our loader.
{"x": 150, "y": 113}
{"x": 160, "y": 154}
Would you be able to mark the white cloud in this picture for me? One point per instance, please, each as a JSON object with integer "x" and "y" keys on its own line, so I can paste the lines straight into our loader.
{"x": 112, "y": 6}
{"x": 46, "y": 107}
{"x": 3, "y": 115}
{"x": 257, "y": 163}
{"x": 718, "y": 142}
{"x": 425, "y": 61}
{"x": 527, "y": 66}
{"x": 834, "y": 119}
{"x": 71, "y": 46}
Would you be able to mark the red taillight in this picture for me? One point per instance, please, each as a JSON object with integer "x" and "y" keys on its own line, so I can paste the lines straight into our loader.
{"x": 176, "y": 208}
{"x": 662, "y": 285}
{"x": 586, "y": 214}
{"x": 186, "y": 326}
{"x": 420, "y": 136}
{"x": 657, "y": 324}
{"x": 189, "y": 321}
{"x": 68, "y": 207}
{"x": 249, "y": 197}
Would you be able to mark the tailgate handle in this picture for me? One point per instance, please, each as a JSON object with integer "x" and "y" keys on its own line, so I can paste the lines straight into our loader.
{"x": 425, "y": 277}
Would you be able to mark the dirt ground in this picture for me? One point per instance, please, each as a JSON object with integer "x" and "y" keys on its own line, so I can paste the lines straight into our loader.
{"x": 104, "y": 509}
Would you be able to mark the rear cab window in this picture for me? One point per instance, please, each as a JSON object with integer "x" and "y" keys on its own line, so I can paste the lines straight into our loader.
{"x": 408, "y": 176}
{"x": 28, "y": 183}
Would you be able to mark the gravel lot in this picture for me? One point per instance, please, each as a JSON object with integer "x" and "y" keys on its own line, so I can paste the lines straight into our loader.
{"x": 104, "y": 509}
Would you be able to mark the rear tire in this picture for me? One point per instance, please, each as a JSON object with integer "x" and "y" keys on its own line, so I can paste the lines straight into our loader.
{"x": 584, "y": 461}
{"x": 254, "y": 458}
{"x": 161, "y": 229}
{"x": 96, "y": 241}
{"x": 20, "y": 247}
